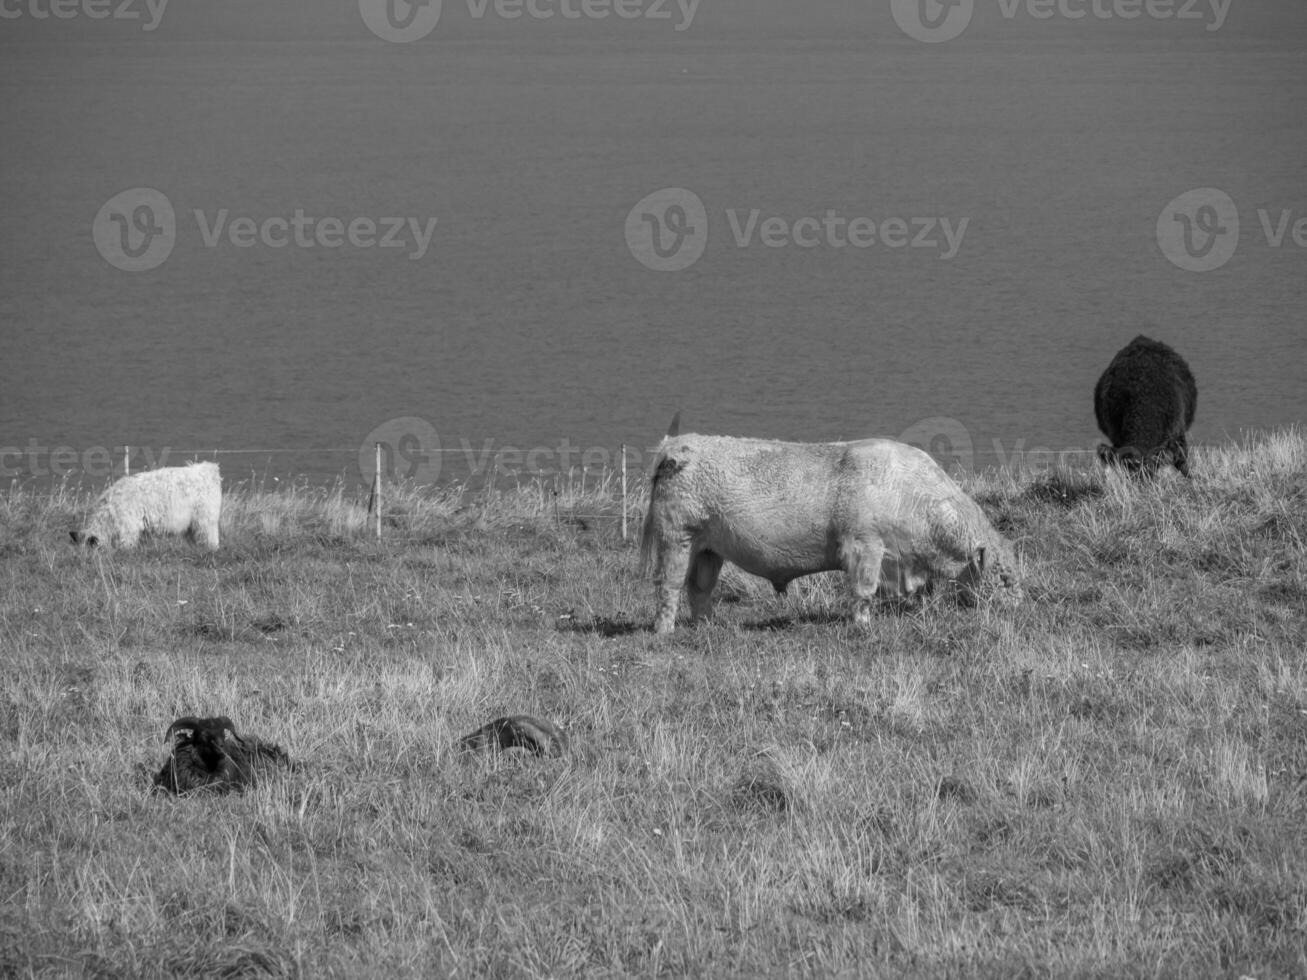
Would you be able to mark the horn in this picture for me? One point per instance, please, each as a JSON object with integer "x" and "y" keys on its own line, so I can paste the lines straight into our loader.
{"x": 675, "y": 428}
{"x": 227, "y": 726}
{"x": 189, "y": 722}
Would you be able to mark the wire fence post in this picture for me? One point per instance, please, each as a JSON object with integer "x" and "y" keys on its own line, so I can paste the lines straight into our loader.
{"x": 127, "y": 460}
{"x": 623, "y": 491}
{"x": 378, "y": 486}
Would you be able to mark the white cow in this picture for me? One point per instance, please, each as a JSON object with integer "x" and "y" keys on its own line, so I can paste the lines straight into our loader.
{"x": 170, "y": 500}
{"x": 881, "y": 511}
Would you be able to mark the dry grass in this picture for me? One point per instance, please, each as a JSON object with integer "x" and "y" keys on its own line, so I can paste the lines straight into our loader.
{"x": 1110, "y": 780}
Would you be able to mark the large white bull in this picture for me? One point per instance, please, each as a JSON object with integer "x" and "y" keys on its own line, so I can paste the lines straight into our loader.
{"x": 882, "y": 512}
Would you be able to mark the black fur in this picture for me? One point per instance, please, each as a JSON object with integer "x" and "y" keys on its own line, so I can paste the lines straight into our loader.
{"x": 204, "y": 757}
{"x": 517, "y": 731}
{"x": 1144, "y": 403}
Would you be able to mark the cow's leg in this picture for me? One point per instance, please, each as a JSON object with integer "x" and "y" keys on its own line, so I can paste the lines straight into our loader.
{"x": 205, "y": 531}
{"x": 673, "y": 566}
{"x": 862, "y": 560}
{"x": 700, "y": 581}
{"x": 1180, "y": 454}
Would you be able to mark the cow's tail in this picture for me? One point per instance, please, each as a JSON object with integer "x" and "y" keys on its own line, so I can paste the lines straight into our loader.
{"x": 664, "y": 467}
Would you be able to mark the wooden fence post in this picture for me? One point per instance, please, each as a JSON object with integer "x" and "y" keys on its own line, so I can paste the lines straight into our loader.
{"x": 127, "y": 460}
{"x": 623, "y": 491}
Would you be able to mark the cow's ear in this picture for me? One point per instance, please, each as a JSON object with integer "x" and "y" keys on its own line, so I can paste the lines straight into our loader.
{"x": 92, "y": 540}
{"x": 73, "y": 535}
{"x": 1104, "y": 453}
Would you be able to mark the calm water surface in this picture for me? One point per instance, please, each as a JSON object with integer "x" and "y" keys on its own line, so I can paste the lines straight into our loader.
{"x": 528, "y": 323}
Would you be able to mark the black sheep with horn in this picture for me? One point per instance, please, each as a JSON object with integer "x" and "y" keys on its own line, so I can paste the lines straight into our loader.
{"x": 208, "y": 754}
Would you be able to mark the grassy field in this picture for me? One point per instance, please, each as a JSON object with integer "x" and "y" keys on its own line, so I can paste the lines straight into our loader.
{"x": 1108, "y": 781}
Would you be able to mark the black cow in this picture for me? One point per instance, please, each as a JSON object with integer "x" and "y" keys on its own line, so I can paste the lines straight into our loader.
{"x": 1144, "y": 403}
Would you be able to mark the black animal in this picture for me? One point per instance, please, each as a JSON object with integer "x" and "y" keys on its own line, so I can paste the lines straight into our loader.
{"x": 518, "y": 731}
{"x": 1145, "y": 403}
{"x": 209, "y": 755}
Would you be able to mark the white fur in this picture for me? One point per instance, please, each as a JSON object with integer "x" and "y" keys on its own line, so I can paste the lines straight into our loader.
{"x": 171, "y": 500}
{"x": 881, "y": 511}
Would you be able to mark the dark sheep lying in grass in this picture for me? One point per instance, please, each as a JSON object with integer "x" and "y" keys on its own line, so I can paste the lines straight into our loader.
{"x": 1145, "y": 403}
{"x": 518, "y": 731}
{"x": 209, "y": 755}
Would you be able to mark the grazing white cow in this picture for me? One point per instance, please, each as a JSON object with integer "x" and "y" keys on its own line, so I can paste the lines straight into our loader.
{"x": 881, "y": 511}
{"x": 170, "y": 500}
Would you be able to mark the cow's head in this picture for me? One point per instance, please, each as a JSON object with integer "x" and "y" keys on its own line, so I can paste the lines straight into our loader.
{"x": 999, "y": 561}
{"x": 1128, "y": 458}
